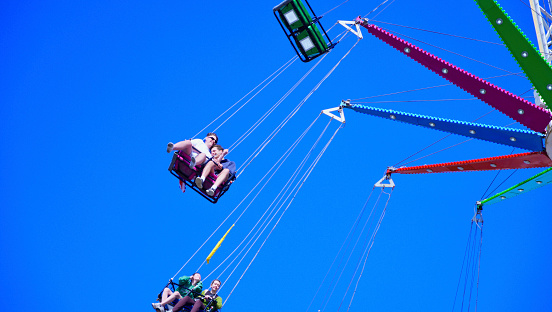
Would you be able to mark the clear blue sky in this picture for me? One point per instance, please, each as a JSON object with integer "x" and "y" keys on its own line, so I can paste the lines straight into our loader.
{"x": 91, "y": 218}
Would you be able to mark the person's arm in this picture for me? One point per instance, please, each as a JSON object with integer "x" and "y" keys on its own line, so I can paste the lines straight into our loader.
{"x": 217, "y": 161}
{"x": 218, "y": 304}
{"x": 184, "y": 279}
{"x": 221, "y": 156}
{"x": 196, "y": 290}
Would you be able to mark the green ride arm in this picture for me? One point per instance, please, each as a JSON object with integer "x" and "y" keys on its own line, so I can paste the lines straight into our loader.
{"x": 536, "y": 68}
{"x": 530, "y": 184}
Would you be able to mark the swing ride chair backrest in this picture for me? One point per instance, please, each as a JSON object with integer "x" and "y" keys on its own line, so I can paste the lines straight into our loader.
{"x": 307, "y": 32}
{"x": 180, "y": 168}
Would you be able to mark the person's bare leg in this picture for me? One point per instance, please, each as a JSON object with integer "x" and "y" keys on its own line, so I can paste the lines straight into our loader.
{"x": 171, "y": 298}
{"x": 185, "y": 146}
{"x": 166, "y": 293}
{"x": 223, "y": 175}
{"x": 221, "y": 178}
{"x": 209, "y": 167}
{"x": 200, "y": 158}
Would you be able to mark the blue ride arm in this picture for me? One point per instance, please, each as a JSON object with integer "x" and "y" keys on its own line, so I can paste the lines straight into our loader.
{"x": 526, "y": 139}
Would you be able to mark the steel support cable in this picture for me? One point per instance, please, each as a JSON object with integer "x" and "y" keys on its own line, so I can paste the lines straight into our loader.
{"x": 351, "y": 230}
{"x": 439, "y": 33}
{"x": 260, "y": 120}
{"x": 297, "y": 188}
{"x": 490, "y": 184}
{"x": 351, "y": 252}
{"x": 504, "y": 181}
{"x": 280, "y": 127}
{"x": 371, "y": 244}
{"x": 234, "y": 113}
{"x": 499, "y": 171}
{"x": 469, "y": 265}
{"x": 277, "y": 164}
{"x": 536, "y": 12}
{"x": 414, "y": 101}
{"x": 479, "y": 266}
{"x": 342, "y": 3}
{"x": 275, "y": 132}
{"x": 462, "y": 269}
{"x": 444, "y": 149}
{"x": 374, "y": 9}
{"x": 292, "y": 177}
{"x": 286, "y": 65}
{"x": 366, "y": 246}
{"x": 457, "y": 54}
{"x": 280, "y": 162}
{"x": 239, "y": 204}
{"x": 474, "y": 266}
{"x": 269, "y": 138}
{"x": 290, "y": 181}
{"x": 282, "y": 124}
{"x": 441, "y": 139}
{"x": 432, "y": 87}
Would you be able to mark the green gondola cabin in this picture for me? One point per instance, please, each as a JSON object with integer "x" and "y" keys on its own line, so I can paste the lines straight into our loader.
{"x": 305, "y": 33}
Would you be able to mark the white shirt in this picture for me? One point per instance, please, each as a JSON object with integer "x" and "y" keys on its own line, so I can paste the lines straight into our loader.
{"x": 200, "y": 146}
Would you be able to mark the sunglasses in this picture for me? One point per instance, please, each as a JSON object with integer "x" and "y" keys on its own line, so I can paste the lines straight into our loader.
{"x": 212, "y": 138}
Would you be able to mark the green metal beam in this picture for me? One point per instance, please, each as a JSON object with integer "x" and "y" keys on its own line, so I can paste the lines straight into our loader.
{"x": 537, "y": 181}
{"x": 536, "y": 68}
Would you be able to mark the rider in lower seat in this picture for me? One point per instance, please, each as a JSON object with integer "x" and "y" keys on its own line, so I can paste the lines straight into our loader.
{"x": 210, "y": 302}
{"x": 221, "y": 167}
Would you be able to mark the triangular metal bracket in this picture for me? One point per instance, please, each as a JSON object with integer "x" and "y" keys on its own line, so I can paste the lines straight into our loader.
{"x": 340, "y": 118}
{"x": 386, "y": 177}
{"x": 358, "y": 33}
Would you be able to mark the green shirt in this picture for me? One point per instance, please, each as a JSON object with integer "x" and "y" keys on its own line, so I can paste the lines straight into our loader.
{"x": 215, "y": 305}
{"x": 186, "y": 288}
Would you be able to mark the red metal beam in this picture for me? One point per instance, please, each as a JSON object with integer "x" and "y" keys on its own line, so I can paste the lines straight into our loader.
{"x": 516, "y": 161}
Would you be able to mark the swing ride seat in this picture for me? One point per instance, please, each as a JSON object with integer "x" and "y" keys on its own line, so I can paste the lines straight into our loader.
{"x": 305, "y": 33}
{"x": 180, "y": 168}
{"x": 169, "y": 306}
{"x": 187, "y": 307}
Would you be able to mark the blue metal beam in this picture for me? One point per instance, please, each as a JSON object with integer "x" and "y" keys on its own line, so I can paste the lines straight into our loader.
{"x": 526, "y": 139}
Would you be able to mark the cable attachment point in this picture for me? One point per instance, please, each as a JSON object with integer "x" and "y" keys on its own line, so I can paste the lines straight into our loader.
{"x": 478, "y": 217}
{"x": 345, "y": 103}
{"x": 357, "y": 22}
{"x": 386, "y": 177}
{"x": 340, "y": 118}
